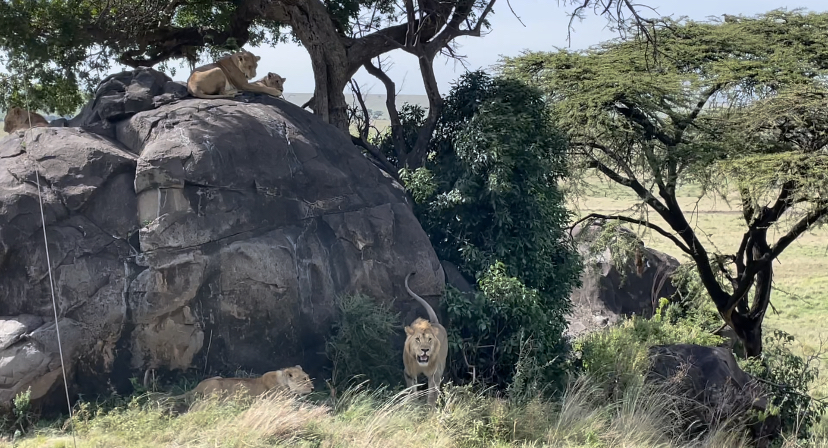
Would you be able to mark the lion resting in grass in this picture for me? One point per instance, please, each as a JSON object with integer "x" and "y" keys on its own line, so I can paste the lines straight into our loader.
{"x": 272, "y": 80}
{"x": 425, "y": 350}
{"x": 292, "y": 379}
{"x": 18, "y": 119}
{"x": 227, "y": 77}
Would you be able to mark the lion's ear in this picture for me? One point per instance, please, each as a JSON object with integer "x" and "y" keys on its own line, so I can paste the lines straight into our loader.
{"x": 298, "y": 366}
{"x": 258, "y": 58}
{"x": 409, "y": 331}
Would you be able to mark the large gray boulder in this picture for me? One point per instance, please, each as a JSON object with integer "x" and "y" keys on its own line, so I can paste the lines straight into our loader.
{"x": 611, "y": 291}
{"x": 208, "y": 234}
{"x": 716, "y": 391}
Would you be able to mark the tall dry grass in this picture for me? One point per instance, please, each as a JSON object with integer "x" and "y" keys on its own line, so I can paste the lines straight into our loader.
{"x": 644, "y": 417}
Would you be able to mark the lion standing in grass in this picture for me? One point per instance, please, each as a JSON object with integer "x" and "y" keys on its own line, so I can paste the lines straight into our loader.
{"x": 292, "y": 379}
{"x": 18, "y": 119}
{"x": 228, "y": 77}
{"x": 425, "y": 350}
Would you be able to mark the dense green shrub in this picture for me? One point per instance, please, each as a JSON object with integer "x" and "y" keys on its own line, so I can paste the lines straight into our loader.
{"x": 789, "y": 378}
{"x": 617, "y": 356}
{"x": 488, "y": 199}
{"x": 361, "y": 346}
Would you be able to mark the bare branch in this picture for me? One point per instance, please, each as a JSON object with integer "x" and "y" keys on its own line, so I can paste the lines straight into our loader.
{"x": 508, "y": 2}
{"x": 366, "y": 119}
{"x": 760, "y": 263}
{"x": 642, "y": 222}
{"x": 400, "y": 147}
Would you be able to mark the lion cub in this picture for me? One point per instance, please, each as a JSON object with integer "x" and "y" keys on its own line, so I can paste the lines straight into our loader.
{"x": 272, "y": 80}
{"x": 425, "y": 350}
{"x": 292, "y": 379}
{"x": 18, "y": 119}
{"x": 227, "y": 77}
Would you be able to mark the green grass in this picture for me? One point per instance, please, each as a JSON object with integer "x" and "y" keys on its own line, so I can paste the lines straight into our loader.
{"x": 800, "y": 274}
{"x": 642, "y": 418}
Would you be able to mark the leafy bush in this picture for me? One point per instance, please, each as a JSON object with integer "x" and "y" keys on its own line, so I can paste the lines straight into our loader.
{"x": 617, "y": 356}
{"x": 499, "y": 331}
{"x": 789, "y": 378}
{"x": 362, "y": 343}
{"x": 489, "y": 201}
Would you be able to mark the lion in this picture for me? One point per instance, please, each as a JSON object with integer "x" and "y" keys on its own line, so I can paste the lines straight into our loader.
{"x": 227, "y": 77}
{"x": 272, "y": 80}
{"x": 292, "y": 379}
{"x": 18, "y": 119}
{"x": 425, "y": 350}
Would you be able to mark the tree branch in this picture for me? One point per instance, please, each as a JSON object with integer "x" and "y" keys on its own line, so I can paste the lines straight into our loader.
{"x": 633, "y": 114}
{"x": 400, "y": 147}
{"x": 683, "y": 124}
{"x": 644, "y": 223}
{"x": 784, "y": 241}
{"x": 366, "y": 124}
{"x": 384, "y": 164}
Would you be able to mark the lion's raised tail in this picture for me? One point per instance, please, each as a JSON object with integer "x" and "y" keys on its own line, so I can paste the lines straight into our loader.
{"x": 432, "y": 316}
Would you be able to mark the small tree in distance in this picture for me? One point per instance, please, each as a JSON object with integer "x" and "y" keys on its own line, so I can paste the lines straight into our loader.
{"x": 743, "y": 101}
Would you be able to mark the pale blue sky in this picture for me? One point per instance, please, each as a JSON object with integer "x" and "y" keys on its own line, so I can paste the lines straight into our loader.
{"x": 546, "y": 28}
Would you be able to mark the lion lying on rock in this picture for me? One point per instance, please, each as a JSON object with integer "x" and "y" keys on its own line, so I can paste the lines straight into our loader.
{"x": 425, "y": 350}
{"x": 228, "y": 77}
{"x": 292, "y": 379}
{"x": 18, "y": 119}
{"x": 272, "y": 80}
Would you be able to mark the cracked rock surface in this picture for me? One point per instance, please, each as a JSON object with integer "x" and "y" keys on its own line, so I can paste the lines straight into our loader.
{"x": 191, "y": 234}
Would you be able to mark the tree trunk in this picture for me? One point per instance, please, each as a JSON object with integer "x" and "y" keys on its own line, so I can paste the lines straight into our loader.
{"x": 330, "y": 79}
{"x": 749, "y": 331}
{"x": 329, "y": 57}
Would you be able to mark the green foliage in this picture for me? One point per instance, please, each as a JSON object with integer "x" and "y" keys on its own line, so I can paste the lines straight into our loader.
{"x": 743, "y": 101}
{"x": 761, "y": 81}
{"x": 412, "y": 119}
{"x": 488, "y": 199}
{"x": 507, "y": 333}
{"x": 363, "y": 342}
{"x": 617, "y": 356}
{"x": 789, "y": 378}
{"x": 22, "y": 410}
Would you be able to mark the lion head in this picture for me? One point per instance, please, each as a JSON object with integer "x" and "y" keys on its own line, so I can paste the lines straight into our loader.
{"x": 247, "y": 62}
{"x": 422, "y": 342}
{"x": 275, "y": 81}
{"x": 14, "y": 117}
{"x": 292, "y": 378}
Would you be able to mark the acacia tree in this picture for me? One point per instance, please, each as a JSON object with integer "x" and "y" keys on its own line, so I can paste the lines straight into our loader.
{"x": 63, "y": 46}
{"x": 744, "y": 101}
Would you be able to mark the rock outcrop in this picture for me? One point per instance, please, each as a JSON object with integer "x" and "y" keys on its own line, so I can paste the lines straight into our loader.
{"x": 608, "y": 291}
{"x": 716, "y": 390}
{"x": 191, "y": 233}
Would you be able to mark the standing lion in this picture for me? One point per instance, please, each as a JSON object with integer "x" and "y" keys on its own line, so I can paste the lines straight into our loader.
{"x": 227, "y": 77}
{"x": 425, "y": 350}
{"x": 18, "y": 119}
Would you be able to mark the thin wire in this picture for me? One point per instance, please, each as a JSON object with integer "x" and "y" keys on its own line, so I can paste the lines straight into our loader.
{"x": 52, "y": 286}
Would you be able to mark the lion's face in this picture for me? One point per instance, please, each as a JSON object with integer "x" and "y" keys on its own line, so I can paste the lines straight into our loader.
{"x": 422, "y": 342}
{"x": 293, "y": 378}
{"x": 13, "y": 117}
{"x": 275, "y": 81}
{"x": 247, "y": 62}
